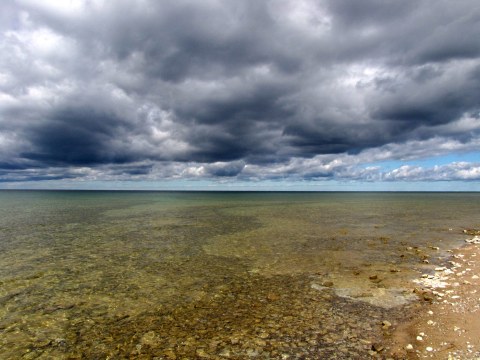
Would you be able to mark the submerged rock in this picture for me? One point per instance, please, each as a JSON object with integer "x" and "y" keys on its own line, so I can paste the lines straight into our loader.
{"x": 474, "y": 240}
{"x": 327, "y": 283}
{"x": 381, "y": 297}
{"x": 471, "y": 232}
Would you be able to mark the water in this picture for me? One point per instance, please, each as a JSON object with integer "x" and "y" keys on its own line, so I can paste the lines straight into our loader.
{"x": 171, "y": 275}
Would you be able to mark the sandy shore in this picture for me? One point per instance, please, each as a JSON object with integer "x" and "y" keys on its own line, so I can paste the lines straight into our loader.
{"x": 447, "y": 323}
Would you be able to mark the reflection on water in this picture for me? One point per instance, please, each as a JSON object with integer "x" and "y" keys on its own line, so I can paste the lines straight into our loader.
{"x": 214, "y": 275}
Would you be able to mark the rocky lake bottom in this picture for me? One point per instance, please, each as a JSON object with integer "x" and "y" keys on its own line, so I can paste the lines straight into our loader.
{"x": 93, "y": 275}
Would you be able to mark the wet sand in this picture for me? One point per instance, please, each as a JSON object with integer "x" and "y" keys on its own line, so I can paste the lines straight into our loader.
{"x": 446, "y": 323}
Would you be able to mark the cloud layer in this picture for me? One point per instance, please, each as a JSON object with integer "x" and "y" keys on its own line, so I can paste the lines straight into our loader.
{"x": 237, "y": 89}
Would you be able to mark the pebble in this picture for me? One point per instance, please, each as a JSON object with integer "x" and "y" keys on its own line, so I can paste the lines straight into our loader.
{"x": 429, "y": 348}
{"x": 272, "y": 297}
{"x": 261, "y": 342}
{"x": 225, "y": 353}
{"x": 386, "y": 324}
{"x": 475, "y": 240}
{"x": 169, "y": 354}
{"x": 60, "y": 342}
{"x": 409, "y": 347}
{"x": 377, "y": 347}
{"x": 471, "y": 232}
{"x": 201, "y": 353}
{"x": 148, "y": 338}
{"x": 427, "y": 296}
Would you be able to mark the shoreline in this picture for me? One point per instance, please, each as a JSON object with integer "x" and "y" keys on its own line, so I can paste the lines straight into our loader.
{"x": 445, "y": 323}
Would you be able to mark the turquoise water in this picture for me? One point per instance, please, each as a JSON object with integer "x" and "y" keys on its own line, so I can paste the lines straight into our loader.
{"x": 173, "y": 275}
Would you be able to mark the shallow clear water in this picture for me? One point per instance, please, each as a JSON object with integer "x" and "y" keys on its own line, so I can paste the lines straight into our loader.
{"x": 214, "y": 275}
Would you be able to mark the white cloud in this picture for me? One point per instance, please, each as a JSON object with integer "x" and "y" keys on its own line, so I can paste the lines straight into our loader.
{"x": 449, "y": 172}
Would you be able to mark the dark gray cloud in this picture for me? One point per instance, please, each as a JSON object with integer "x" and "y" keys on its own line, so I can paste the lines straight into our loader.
{"x": 76, "y": 137}
{"x": 246, "y": 89}
{"x": 431, "y": 100}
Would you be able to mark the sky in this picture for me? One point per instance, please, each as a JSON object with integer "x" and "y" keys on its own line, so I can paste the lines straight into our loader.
{"x": 240, "y": 94}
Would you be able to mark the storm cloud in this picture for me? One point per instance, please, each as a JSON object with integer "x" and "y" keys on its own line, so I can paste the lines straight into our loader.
{"x": 237, "y": 89}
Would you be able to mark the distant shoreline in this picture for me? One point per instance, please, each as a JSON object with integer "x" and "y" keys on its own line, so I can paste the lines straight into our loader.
{"x": 247, "y": 191}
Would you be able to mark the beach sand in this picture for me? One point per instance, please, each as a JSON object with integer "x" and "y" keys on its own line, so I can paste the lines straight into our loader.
{"x": 446, "y": 324}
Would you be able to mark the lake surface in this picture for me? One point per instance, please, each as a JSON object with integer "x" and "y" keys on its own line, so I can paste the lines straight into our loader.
{"x": 172, "y": 275}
